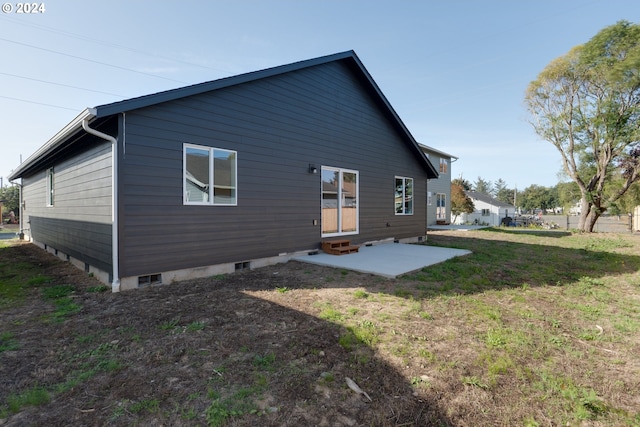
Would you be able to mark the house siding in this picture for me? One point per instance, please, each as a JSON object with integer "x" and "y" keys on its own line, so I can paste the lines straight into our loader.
{"x": 442, "y": 185}
{"x": 496, "y": 210}
{"x": 79, "y": 222}
{"x": 320, "y": 115}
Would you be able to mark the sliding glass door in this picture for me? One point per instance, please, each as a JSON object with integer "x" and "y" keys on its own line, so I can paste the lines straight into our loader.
{"x": 339, "y": 201}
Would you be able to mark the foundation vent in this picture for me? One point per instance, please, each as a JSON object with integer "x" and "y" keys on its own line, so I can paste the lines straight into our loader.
{"x": 150, "y": 279}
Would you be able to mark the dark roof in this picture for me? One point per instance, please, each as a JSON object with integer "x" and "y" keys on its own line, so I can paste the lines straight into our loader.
{"x": 349, "y": 57}
{"x": 488, "y": 199}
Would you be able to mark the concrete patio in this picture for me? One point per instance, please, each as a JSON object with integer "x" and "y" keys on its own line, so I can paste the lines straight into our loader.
{"x": 386, "y": 259}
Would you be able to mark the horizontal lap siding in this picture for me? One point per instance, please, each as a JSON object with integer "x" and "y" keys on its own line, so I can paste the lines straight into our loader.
{"x": 440, "y": 185}
{"x": 320, "y": 115}
{"x": 79, "y": 222}
{"x": 89, "y": 242}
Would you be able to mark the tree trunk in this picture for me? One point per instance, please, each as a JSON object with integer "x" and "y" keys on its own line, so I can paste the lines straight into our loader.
{"x": 585, "y": 209}
{"x": 591, "y": 221}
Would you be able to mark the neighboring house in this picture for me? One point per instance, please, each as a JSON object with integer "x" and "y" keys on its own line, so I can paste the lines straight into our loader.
{"x": 230, "y": 174}
{"x": 488, "y": 211}
{"x": 439, "y": 192}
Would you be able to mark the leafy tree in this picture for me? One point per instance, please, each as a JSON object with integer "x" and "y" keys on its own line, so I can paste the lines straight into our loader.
{"x": 482, "y": 186}
{"x": 587, "y": 104}
{"x": 503, "y": 192}
{"x": 466, "y": 185}
{"x": 11, "y": 199}
{"x": 537, "y": 197}
{"x": 460, "y": 202}
{"x": 568, "y": 194}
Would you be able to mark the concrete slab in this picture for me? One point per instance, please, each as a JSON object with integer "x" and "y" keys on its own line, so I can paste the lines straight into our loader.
{"x": 388, "y": 259}
{"x": 461, "y": 227}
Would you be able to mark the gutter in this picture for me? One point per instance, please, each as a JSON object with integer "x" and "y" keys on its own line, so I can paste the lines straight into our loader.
{"x": 115, "y": 284}
{"x": 53, "y": 143}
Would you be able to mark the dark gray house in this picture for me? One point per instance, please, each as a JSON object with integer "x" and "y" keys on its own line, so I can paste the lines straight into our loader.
{"x": 234, "y": 173}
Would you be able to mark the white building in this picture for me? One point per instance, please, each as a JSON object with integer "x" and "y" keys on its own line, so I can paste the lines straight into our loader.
{"x": 488, "y": 211}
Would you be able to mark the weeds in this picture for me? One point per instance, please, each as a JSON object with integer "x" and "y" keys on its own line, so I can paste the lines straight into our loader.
{"x": 8, "y": 342}
{"x": 528, "y": 330}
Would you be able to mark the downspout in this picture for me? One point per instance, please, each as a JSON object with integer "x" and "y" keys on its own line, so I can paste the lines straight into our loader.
{"x": 20, "y": 234}
{"x": 115, "y": 284}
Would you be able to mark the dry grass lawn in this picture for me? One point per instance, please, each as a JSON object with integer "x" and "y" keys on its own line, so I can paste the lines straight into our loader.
{"x": 534, "y": 328}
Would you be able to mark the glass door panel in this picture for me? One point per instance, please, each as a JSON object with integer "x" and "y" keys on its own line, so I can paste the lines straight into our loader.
{"x": 349, "y": 199}
{"x": 339, "y": 201}
{"x": 330, "y": 185}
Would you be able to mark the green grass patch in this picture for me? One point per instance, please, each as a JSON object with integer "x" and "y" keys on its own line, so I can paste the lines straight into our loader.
{"x": 264, "y": 361}
{"x": 195, "y": 326}
{"x": 8, "y": 342}
{"x": 35, "y": 396}
{"x": 65, "y": 307}
{"x": 330, "y": 314}
{"x": 16, "y": 278}
{"x": 58, "y": 291}
{"x": 169, "y": 324}
{"x": 148, "y": 405}
{"x": 360, "y": 294}
{"x": 97, "y": 289}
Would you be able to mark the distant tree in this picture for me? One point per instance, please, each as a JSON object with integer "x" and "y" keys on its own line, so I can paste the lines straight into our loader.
{"x": 503, "y": 192}
{"x": 482, "y": 186}
{"x": 11, "y": 197}
{"x": 460, "y": 202}
{"x": 627, "y": 202}
{"x": 587, "y": 104}
{"x": 537, "y": 197}
{"x": 568, "y": 194}
{"x": 465, "y": 184}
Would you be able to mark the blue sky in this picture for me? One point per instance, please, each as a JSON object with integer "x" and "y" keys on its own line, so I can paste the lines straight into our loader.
{"x": 455, "y": 71}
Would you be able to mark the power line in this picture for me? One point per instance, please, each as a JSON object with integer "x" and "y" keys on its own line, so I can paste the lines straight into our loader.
{"x": 61, "y": 84}
{"x": 38, "y": 103}
{"x": 106, "y": 43}
{"x": 90, "y": 60}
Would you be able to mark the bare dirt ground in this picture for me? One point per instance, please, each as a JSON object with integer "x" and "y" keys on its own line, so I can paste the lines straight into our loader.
{"x": 533, "y": 329}
{"x": 138, "y": 347}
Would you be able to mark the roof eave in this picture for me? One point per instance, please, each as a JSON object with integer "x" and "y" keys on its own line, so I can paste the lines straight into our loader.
{"x": 435, "y": 150}
{"x": 53, "y": 143}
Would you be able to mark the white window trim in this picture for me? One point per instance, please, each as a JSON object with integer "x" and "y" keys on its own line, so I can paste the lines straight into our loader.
{"x": 211, "y": 150}
{"x": 444, "y": 164}
{"x": 339, "y": 205}
{"x": 50, "y": 187}
{"x": 413, "y": 198}
{"x": 440, "y": 215}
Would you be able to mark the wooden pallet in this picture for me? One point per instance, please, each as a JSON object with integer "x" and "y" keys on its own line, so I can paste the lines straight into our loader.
{"x": 339, "y": 247}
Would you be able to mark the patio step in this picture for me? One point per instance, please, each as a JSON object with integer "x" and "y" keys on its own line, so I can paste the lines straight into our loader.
{"x": 339, "y": 247}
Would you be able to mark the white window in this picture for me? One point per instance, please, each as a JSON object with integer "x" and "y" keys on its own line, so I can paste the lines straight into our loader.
{"x": 441, "y": 207}
{"x": 444, "y": 165}
{"x": 404, "y": 196}
{"x": 50, "y": 187}
{"x": 210, "y": 176}
{"x": 340, "y": 201}
{"x": 486, "y": 212}
{"x": 429, "y": 198}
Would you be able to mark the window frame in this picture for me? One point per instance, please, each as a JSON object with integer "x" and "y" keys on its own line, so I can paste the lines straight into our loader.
{"x": 50, "y": 190}
{"x": 211, "y": 152}
{"x": 444, "y": 165}
{"x": 340, "y": 217}
{"x": 441, "y": 207}
{"x": 404, "y": 200}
